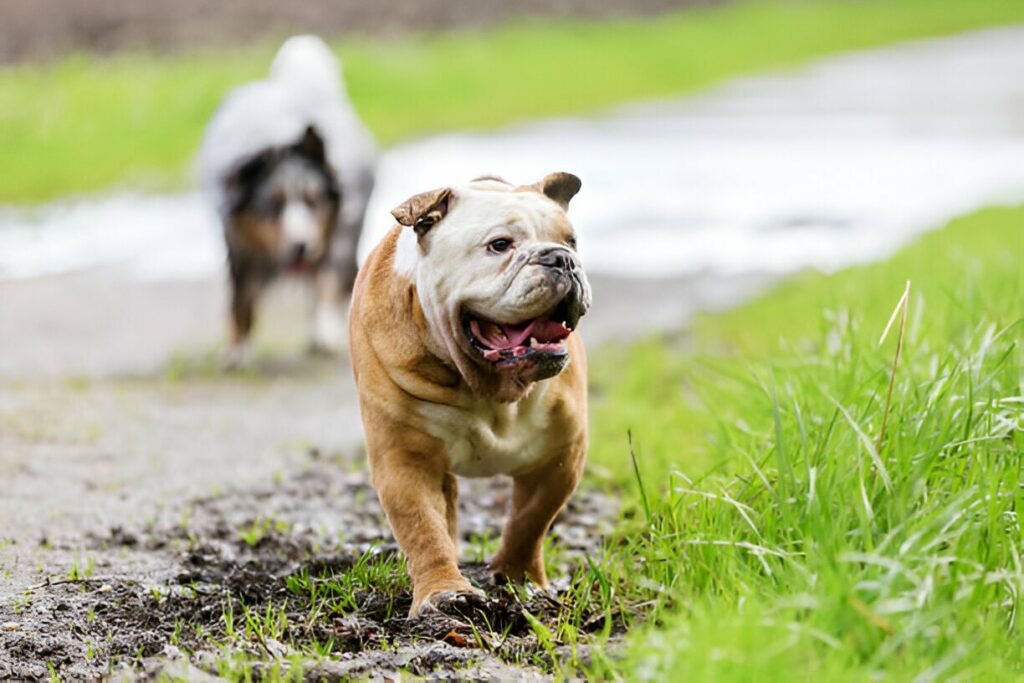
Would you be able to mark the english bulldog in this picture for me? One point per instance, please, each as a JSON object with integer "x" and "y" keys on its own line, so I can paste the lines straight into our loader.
{"x": 466, "y": 361}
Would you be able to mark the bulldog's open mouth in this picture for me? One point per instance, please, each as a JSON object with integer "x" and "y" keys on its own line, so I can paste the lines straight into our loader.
{"x": 511, "y": 343}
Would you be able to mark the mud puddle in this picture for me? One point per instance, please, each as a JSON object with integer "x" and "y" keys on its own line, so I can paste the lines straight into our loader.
{"x": 301, "y": 577}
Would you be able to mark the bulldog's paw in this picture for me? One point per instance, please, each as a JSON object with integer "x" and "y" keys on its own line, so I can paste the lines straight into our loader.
{"x": 504, "y": 571}
{"x": 450, "y": 601}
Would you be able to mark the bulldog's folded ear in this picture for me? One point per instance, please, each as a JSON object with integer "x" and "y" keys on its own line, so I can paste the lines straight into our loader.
{"x": 559, "y": 186}
{"x": 421, "y": 211}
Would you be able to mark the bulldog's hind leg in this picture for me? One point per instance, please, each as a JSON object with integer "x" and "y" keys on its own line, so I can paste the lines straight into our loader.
{"x": 537, "y": 498}
{"x": 419, "y": 498}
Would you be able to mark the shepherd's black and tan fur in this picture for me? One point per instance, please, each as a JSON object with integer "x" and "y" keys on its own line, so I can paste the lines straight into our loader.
{"x": 289, "y": 168}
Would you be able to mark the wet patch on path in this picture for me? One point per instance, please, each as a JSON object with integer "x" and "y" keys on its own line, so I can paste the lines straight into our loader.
{"x": 303, "y": 576}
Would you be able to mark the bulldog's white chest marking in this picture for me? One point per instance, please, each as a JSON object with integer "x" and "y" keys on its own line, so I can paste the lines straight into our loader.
{"x": 489, "y": 438}
{"x": 407, "y": 253}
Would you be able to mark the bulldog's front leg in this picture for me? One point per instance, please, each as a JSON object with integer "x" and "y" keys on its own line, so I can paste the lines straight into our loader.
{"x": 419, "y": 497}
{"x": 537, "y": 498}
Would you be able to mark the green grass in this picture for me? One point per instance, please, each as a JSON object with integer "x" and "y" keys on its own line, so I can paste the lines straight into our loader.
{"x": 779, "y": 542}
{"x": 339, "y": 592}
{"x": 86, "y": 123}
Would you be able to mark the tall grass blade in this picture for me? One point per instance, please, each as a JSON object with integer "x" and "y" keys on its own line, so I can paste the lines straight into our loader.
{"x": 901, "y": 309}
{"x": 639, "y": 478}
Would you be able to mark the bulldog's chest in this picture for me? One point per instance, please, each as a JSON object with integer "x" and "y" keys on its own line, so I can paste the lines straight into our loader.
{"x": 485, "y": 438}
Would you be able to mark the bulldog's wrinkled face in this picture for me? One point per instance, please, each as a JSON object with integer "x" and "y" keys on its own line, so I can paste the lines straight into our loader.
{"x": 498, "y": 278}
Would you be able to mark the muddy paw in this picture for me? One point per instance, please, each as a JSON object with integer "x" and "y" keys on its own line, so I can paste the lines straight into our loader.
{"x": 451, "y": 603}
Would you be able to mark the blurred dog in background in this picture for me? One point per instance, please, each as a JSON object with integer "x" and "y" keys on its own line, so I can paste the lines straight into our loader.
{"x": 290, "y": 167}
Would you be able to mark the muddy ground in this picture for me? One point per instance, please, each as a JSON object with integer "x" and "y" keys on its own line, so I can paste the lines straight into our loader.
{"x": 46, "y": 29}
{"x": 138, "y": 511}
{"x": 145, "y": 493}
{"x": 246, "y": 555}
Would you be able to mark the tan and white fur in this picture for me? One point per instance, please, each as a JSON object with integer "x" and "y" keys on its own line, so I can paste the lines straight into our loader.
{"x": 465, "y": 357}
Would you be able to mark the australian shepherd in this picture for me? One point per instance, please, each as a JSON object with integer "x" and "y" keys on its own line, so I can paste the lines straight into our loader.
{"x": 290, "y": 167}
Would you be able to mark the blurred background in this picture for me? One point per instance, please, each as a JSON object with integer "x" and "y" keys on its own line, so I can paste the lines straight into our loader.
{"x": 781, "y": 159}
{"x": 50, "y": 29}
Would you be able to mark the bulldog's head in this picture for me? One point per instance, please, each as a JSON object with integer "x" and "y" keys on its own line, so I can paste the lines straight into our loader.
{"x": 498, "y": 278}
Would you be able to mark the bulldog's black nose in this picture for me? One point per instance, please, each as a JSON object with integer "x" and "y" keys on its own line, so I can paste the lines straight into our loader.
{"x": 298, "y": 252}
{"x": 555, "y": 257}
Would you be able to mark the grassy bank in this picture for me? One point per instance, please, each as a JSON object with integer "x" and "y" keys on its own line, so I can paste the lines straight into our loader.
{"x": 87, "y": 123}
{"x": 781, "y": 531}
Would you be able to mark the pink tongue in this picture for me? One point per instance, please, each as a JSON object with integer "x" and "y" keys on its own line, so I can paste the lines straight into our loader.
{"x": 509, "y": 336}
{"x": 501, "y": 336}
{"x": 548, "y": 331}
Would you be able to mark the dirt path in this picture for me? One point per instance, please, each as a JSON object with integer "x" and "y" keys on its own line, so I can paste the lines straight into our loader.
{"x": 130, "y": 463}
{"x": 112, "y": 407}
{"x": 142, "y": 593}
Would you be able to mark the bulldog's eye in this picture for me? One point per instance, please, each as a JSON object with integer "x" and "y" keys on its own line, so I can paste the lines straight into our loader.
{"x": 499, "y": 245}
{"x": 571, "y": 242}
